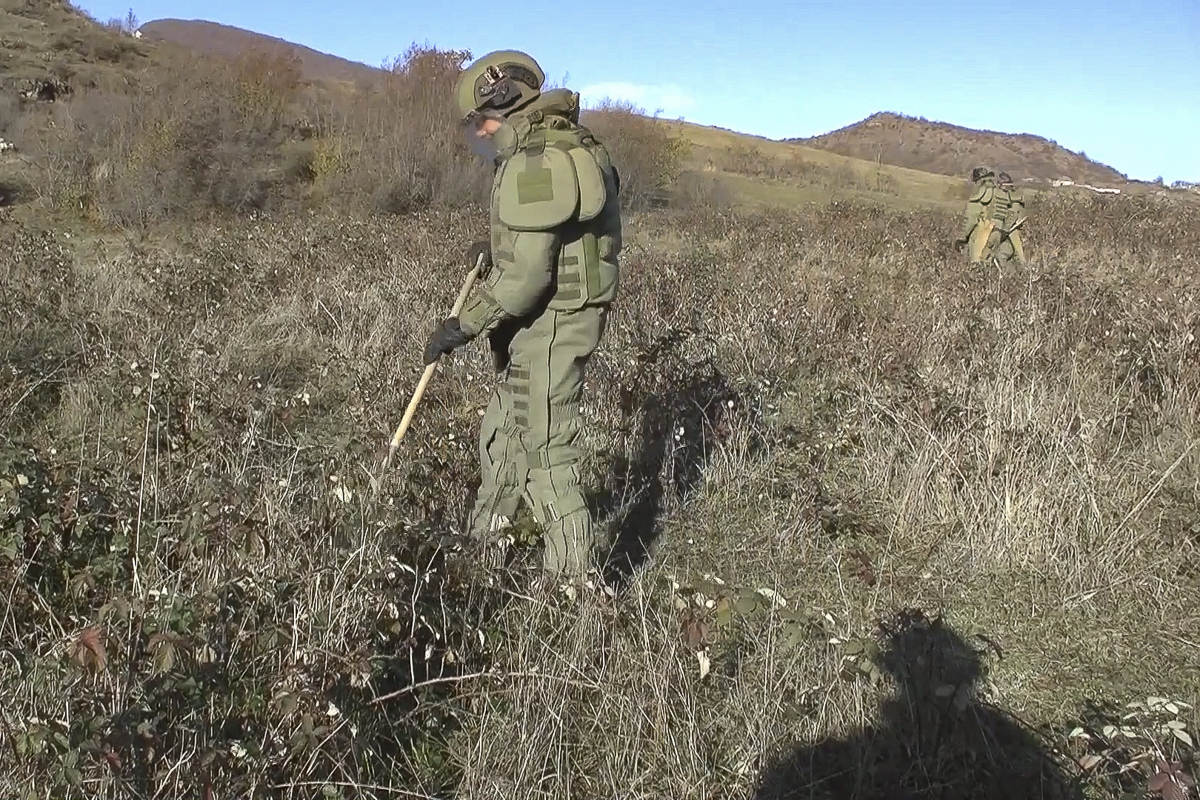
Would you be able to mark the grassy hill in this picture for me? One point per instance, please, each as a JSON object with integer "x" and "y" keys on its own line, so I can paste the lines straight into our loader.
{"x": 214, "y": 39}
{"x": 756, "y": 172}
{"x": 876, "y": 522}
{"x": 42, "y": 39}
{"x": 946, "y": 149}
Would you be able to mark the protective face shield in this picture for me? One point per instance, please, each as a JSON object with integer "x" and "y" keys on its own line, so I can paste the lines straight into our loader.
{"x": 479, "y": 142}
{"x": 501, "y": 143}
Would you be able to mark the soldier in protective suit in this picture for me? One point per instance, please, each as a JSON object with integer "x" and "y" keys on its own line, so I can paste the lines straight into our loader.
{"x": 980, "y": 215}
{"x": 551, "y": 275}
{"x": 1005, "y": 241}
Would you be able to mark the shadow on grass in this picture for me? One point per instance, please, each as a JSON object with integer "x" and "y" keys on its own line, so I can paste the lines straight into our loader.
{"x": 680, "y": 425}
{"x": 936, "y": 738}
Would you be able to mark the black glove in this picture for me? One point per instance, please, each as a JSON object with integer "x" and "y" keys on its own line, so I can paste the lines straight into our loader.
{"x": 484, "y": 247}
{"x": 445, "y": 339}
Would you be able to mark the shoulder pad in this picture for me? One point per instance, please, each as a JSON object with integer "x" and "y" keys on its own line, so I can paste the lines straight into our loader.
{"x": 983, "y": 194}
{"x": 538, "y": 191}
{"x": 592, "y": 164}
{"x": 593, "y": 193}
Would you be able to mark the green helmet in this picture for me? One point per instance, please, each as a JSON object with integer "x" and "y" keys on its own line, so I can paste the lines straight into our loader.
{"x": 979, "y": 173}
{"x": 500, "y": 82}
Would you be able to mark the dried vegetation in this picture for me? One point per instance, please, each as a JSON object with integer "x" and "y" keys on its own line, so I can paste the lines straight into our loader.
{"x": 884, "y": 524}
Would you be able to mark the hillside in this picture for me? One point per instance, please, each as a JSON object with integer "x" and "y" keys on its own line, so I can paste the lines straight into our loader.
{"x": 211, "y": 38}
{"x": 947, "y": 149}
{"x": 752, "y": 171}
{"x": 51, "y": 39}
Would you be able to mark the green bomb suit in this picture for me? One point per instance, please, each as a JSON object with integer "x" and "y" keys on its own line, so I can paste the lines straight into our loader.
{"x": 555, "y": 228}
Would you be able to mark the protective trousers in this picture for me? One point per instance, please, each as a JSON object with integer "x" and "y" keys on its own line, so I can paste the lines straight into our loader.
{"x": 978, "y": 240}
{"x": 529, "y": 442}
{"x": 1006, "y": 247}
{"x": 1011, "y": 248}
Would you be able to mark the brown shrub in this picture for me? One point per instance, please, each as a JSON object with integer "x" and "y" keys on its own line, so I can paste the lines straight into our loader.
{"x": 203, "y": 136}
{"x": 745, "y": 159}
{"x": 10, "y": 110}
{"x": 1107, "y": 226}
{"x": 742, "y": 159}
{"x": 265, "y": 83}
{"x": 213, "y": 136}
{"x": 844, "y": 176}
{"x": 805, "y": 171}
{"x": 396, "y": 145}
{"x": 700, "y": 191}
{"x": 648, "y": 156}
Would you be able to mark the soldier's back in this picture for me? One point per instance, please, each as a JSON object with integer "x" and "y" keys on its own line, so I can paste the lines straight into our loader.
{"x": 1014, "y": 206}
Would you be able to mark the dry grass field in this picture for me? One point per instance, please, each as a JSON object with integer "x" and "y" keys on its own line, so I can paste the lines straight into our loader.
{"x": 879, "y": 523}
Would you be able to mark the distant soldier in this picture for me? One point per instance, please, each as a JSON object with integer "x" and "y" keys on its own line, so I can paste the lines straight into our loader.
{"x": 1009, "y": 214}
{"x": 980, "y": 215}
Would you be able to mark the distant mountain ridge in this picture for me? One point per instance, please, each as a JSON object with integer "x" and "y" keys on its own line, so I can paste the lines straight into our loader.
{"x": 213, "y": 38}
{"x": 946, "y": 149}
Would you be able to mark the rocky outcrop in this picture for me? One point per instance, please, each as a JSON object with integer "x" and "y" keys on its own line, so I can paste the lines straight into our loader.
{"x": 47, "y": 90}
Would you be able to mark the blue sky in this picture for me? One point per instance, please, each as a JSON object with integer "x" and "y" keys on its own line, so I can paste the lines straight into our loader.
{"x": 1122, "y": 84}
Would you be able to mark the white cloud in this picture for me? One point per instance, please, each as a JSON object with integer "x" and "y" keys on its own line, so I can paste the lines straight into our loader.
{"x": 670, "y": 99}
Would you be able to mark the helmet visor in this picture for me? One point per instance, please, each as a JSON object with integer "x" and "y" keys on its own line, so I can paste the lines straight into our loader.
{"x": 478, "y": 141}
